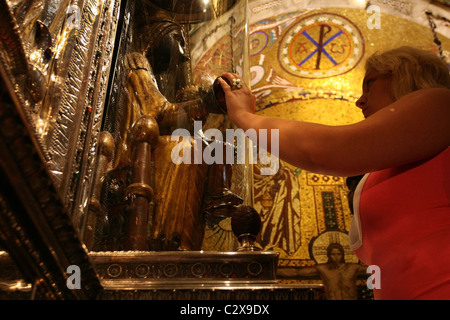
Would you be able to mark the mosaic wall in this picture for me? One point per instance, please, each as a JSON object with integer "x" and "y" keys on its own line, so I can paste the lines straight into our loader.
{"x": 308, "y": 65}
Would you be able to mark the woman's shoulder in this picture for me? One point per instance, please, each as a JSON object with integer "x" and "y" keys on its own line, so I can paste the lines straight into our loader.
{"x": 427, "y": 102}
{"x": 431, "y": 94}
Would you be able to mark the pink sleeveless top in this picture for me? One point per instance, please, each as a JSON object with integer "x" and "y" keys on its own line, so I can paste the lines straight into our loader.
{"x": 402, "y": 225}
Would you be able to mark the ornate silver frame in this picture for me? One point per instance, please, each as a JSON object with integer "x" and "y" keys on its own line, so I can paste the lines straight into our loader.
{"x": 45, "y": 175}
{"x": 46, "y": 171}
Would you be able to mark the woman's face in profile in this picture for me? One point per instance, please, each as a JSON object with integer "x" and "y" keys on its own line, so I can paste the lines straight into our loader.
{"x": 376, "y": 93}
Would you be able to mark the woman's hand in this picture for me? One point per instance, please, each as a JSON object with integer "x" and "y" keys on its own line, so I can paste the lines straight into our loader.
{"x": 240, "y": 100}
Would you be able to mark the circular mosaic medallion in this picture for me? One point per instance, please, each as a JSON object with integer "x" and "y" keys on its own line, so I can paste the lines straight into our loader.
{"x": 258, "y": 41}
{"x": 321, "y": 45}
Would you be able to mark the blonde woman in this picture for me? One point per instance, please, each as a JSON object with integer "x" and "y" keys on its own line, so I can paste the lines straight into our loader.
{"x": 402, "y": 205}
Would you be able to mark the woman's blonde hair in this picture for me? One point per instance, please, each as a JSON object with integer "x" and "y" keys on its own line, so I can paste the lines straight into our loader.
{"x": 411, "y": 68}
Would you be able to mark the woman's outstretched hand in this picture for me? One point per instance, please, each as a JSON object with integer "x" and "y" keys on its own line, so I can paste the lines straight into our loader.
{"x": 239, "y": 98}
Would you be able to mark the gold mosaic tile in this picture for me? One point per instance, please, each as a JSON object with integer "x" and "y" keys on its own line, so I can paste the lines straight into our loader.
{"x": 317, "y": 203}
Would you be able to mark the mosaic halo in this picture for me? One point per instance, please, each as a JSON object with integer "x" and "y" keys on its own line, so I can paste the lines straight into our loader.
{"x": 319, "y": 245}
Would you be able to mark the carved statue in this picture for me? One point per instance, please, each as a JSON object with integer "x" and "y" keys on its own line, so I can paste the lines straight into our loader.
{"x": 146, "y": 201}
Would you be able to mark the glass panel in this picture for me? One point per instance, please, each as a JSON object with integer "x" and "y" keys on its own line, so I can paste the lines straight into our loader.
{"x": 166, "y": 172}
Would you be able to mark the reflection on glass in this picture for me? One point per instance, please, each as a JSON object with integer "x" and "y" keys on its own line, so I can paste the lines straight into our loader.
{"x": 168, "y": 59}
